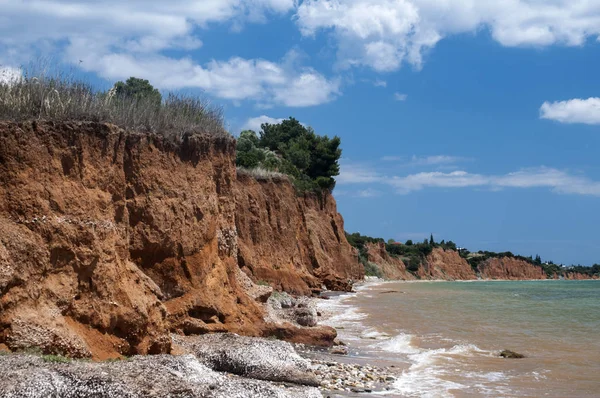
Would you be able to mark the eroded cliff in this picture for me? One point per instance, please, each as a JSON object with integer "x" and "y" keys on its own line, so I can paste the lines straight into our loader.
{"x": 446, "y": 265}
{"x": 110, "y": 240}
{"x": 390, "y": 267}
{"x": 510, "y": 268}
{"x": 295, "y": 243}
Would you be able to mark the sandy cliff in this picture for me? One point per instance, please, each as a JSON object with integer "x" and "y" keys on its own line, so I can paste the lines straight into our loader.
{"x": 449, "y": 265}
{"x": 391, "y": 267}
{"x": 109, "y": 240}
{"x": 510, "y": 268}
{"x": 446, "y": 265}
{"x": 295, "y": 243}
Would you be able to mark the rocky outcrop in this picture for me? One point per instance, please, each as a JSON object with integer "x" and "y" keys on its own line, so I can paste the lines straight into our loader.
{"x": 110, "y": 240}
{"x": 446, "y": 265}
{"x": 251, "y": 357}
{"x": 140, "y": 376}
{"x": 391, "y": 267}
{"x": 294, "y": 243}
{"x": 510, "y": 268}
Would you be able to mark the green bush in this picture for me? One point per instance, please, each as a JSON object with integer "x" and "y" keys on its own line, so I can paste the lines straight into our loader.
{"x": 56, "y": 359}
{"x": 372, "y": 269}
{"x": 293, "y": 149}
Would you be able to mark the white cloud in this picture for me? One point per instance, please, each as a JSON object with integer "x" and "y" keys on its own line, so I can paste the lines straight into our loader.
{"x": 542, "y": 177}
{"x": 117, "y": 39}
{"x": 572, "y": 111}
{"x": 368, "y": 193}
{"x": 351, "y": 173}
{"x": 254, "y": 123}
{"x": 380, "y": 83}
{"x": 266, "y": 82}
{"x": 400, "y": 96}
{"x": 383, "y": 34}
{"x": 435, "y": 160}
{"x": 9, "y": 74}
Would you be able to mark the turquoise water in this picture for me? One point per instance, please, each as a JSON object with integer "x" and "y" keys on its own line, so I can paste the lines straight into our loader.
{"x": 447, "y": 336}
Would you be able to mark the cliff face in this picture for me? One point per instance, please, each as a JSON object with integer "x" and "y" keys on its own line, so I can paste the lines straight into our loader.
{"x": 446, "y": 265}
{"x": 510, "y": 268}
{"x": 391, "y": 267}
{"x": 449, "y": 265}
{"x": 110, "y": 240}
{"x": 295, "y": 243}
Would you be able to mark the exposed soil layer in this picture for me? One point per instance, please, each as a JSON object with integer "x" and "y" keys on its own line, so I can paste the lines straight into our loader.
{"x": 110, "y": 240}
{"x": 510, "y": 268}
{"x": 295, "y": 243}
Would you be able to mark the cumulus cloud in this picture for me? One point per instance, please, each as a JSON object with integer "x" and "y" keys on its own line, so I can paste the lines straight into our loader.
{"x": 400, "y": 96}
{"x": 117, "y": 39}
{"x": 9, "y": 74}
{"x": 585, "y": 111}
{"x": 542, "y": 177}
{"x": 268, "y": 83}
{"x": 384, "y": 34}
{"x": 254, "y": 123}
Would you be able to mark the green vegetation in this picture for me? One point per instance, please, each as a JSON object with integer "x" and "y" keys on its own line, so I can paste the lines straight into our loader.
{"x": 413, "y": 255}
{"x": 133, "y": 104}
{"x": 56, "y": 358}
{"x": 593, "y": 271}
{"x": 292, "y": 149}
{"x": 372, "y": 269}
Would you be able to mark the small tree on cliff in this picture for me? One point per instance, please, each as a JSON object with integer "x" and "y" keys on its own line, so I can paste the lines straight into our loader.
{"x": 297, "y": 151}
{"x": 139, "y": 89}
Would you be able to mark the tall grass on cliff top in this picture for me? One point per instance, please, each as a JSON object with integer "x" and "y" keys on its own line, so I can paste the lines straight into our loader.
{"x": 58, "y": 97}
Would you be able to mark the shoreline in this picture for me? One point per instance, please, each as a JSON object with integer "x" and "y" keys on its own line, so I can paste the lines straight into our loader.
{"x": 224, "y": 365}
{"x": 218, "y": 364}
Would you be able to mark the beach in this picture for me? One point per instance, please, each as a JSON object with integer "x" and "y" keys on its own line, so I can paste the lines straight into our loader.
{"x": 444, "y": 338}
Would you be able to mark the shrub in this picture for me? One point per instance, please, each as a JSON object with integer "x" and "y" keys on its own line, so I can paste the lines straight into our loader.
{"x": 293, "y": 149}
{"x": 55, "y": 359}
{"x": 134, "y": 105}
{"x": 372, "y": 269}
{"x": 262, "y": 174}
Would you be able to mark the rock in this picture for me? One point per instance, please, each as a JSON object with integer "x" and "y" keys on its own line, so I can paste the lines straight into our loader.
{"x": 281, "y": 300}
{"x": 511, "y": 354}
{"x": 339, "y": 350}
{"x": 111, "y": 239}
{"x": 257, "y": 358}
{"x": 150, "y": 376}
{"x": 338, "y": 342}
{"x": 305, "y": 316}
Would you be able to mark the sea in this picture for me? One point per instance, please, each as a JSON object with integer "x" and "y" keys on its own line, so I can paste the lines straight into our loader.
{"x": 444, "y": 338}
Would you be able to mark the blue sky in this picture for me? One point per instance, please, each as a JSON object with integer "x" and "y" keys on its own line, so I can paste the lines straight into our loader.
{"x": 478, "y": 122}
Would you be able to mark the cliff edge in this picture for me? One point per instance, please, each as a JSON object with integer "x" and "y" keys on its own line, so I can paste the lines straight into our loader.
{"x": 110, "y": 240}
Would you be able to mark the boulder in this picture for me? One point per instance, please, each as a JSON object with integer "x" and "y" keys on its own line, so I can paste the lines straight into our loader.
{"x": 511, "y": 354}
{"x": 250, "y": 357}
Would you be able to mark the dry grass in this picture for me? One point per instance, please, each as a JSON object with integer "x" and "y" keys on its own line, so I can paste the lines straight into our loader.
{"x": 57, "y": 97}
{"x": 261, "y": 174}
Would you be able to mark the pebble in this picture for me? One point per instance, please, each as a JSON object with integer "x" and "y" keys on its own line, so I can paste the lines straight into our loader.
{"x": 351, "y": 377}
